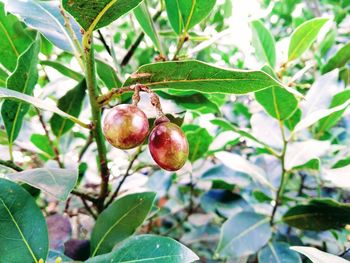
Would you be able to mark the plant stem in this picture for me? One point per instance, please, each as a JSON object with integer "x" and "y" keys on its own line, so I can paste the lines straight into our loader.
{"x": 96, "y": 119}
{"x": 54, "y": 148}
{"x": 126, "y": 175}
{"x": 11, "y": 164}
{"x": 284, "y": 175}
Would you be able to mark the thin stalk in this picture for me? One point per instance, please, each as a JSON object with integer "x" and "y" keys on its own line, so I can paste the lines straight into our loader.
{"x": 96, "y": 119}
{"x": 11, "y": 164}
{"x": 284, "y": 175}
{"x": 54, "y": 148}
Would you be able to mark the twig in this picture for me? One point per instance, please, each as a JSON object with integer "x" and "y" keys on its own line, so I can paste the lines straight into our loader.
{"x": 12, "y": 165}
{"x": 88, "y": 208}
{"x": 103, "y": 40}
{"x": 126, "y": 175}
{"x": 86, "y": 146}
{"x": 86, "y": 196}
{"x": 54, "y": 148}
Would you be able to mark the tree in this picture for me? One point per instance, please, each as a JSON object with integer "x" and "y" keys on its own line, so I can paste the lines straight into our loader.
{"x": 230, "y": 162}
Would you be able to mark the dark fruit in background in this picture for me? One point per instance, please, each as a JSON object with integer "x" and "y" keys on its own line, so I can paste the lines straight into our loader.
{"x": 168, "y": 146}
{"x": 125, "y": 126}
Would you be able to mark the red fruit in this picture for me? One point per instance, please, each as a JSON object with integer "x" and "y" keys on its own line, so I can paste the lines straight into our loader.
{"x": 168, "y": 146}
{"x": 125, "y": 126}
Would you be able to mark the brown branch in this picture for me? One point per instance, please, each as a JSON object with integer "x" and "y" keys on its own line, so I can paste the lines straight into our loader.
{"x": 54, "y": 148}
{"x": 126, "y": 175}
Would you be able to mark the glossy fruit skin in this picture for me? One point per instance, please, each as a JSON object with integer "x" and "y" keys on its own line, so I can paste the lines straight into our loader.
{"x": 168, "y": 146}
{"x": 125, "y": 126}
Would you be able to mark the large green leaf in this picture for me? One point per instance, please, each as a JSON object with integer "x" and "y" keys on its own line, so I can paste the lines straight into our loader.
{"x": 56, "y": 182}
{"x": 185, "y": 14}
{"x": 38, "y": 103}
{"x": 328, "y": 122}
{"x": 92, "y": 15}
{"x": 318, "y": 256}
{"x": 71, "y": 103}
{"x": 119, "y": 221}
{"x": 303, "y": 37}
{"x": 3, "y": 77}
{"x": 338, "y": 60}
{"x": 23, "y": 80}
{"x": 278, "y": 102}
{"x": 264, "y": 43}
{"x": 148, "y": 248}
{"x": 13, "y": 38}
{"x": 52, "y": 27}
{"x": 318, "y": 215}
{"x": 24, "y": 236}
{"x": 146, "y": 22}
{"x": 278, "y": 252}
{"x": 243, "y": 234}
{"x": 202, "y": 77}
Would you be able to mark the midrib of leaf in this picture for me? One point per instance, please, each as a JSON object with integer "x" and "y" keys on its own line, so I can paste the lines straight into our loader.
{"x": 19, "y": 108}
{"x": 301, "y": 42}
{"x": 190, "y": 16}
{"x": 113, "y": 226}
{"x": 274, "y": 252}
{"x": 19, "y": 230}
{"x": 275, "y": 103}
{"x": 150, "y": 259}
{"x": 307, "y": 215}
{"x": 97, "y": 19}
{"x": 58, "y": 23}
{"x": 9, "y": 39}
{"x": 249, "y": 229}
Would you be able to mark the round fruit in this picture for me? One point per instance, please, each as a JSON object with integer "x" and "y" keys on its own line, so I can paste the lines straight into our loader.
{"x": 168, "y": 146}
{"x": 125, "y": 126}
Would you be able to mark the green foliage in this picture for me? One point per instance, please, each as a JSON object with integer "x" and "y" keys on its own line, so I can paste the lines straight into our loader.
{"x": 267, "y": 125}
{"x": 20, "y": 216}
{"x": 120, "y": 221}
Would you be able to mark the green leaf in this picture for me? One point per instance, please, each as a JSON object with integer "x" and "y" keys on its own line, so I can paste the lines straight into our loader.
{"x": 328, "y": 41}
{"x": 63, "y": 70}
{"x": 13, "y": 38}
{"x": 108, "y": 75}
{"x": 293, "y": 120}
{"x": 338, "y": 175}
{"x": 23, "y": 80}
{"x": 243, "y": 234}
{"x": 199, "y": 141}
{"x": 202, "y": 77}
{"x": 22, "y": 224}
{"x": 56, "y": 182}
{"x": 53, "y": 29}
{"x": 3, "y": 137}
{"x": 318, "y": 215}
{"x": 328, "y": 122}
{"x": 148, "y": 248}
{"x": 241, "y": 164}
{"x": 17, "y": 96}
{"x": 278, "y": 252}
{"x": 3, "y": 77}
{"x": 185, "y": 14}
{"x": 303, "y": 37}
{"x": 146, "y": 22}
{"x": 71, "y": 103}
{"x": 318, "y": 256}
{"x": 338, "y": 60}
{"x": 92, "y": 15}
{"x": 53, "y": 255}
{"x": 119, "y": 221}
{"x": 278, "y": 102}
{"x": 264, "y": 43}
{"x": 317, "y": 115}
{"x": 42, "y": 143}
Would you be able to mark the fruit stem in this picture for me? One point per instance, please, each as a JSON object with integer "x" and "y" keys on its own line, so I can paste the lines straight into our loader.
{"x": 137, "y": 88}
{"x": 96, "y": 120}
